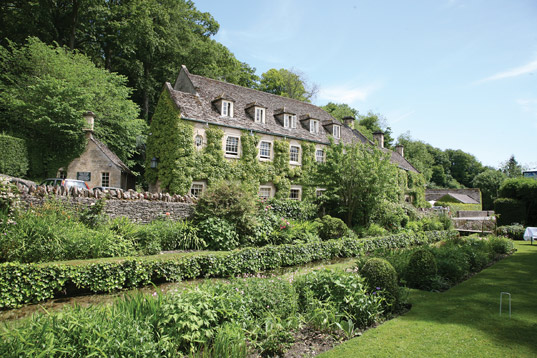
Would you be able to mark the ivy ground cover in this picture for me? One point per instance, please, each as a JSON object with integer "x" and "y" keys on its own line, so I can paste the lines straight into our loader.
{"x": 464, "y": 321}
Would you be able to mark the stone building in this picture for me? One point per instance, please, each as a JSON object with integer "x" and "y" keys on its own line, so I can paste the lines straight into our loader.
{"x": 98, "y": 165}
{"x": 236, "y": 110}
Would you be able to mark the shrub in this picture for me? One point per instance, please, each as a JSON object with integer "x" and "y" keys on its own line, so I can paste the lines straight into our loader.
{"x": 452, "y": 264}
{"x": 292, "y": 209}
{"x": 219, "y": 234}
{"x": 345, "y": 291}
{"x": 14, "y": 158}
{"x": 9, "y": 200}
{"x": 391, "y": 216}
{"x": 514, "y": 232}
{"x": 509, "y": 211}
{"x": 331, "y": 228}
{"x": 421, "y": 268}
{"x": 380, "y": 274}
{"x": 501, "y": 245}
{"x": 92, "y": 215}
{"x": 168, "y": 235}
{"x": 228, "y": 200}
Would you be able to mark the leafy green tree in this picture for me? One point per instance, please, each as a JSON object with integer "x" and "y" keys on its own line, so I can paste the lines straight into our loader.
{"x": 464, "y": 166}
{"x": 489, "y": 182}
{"x": 340, "y": 110}
{"x": 511, "y": 168}
{"x": 357, "y": 179}
{"x": 416, "y": 152}
{"x": 287, "y": 83}
{"x": 44, "y": 91}
{"x": 375, "y": 122}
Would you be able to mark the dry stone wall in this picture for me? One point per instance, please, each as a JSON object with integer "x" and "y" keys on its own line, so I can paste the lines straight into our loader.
{"x": 137, "y": 207}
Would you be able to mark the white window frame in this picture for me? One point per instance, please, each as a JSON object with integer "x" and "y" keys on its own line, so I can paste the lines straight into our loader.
{"x": 319, "y": 159}
{"x": 103, "y": 175}
{"x": 265, "y": 188}
{"x": 259, "y": 115}
{"x": 297, "y": 161}
{"x": 227, "y": 109}
{"x": 197, "y": 186}
{"x": 319, "y": 192}
{"x": 264, "y": 156}
{"x": 200, "y": 144}
{"x": 289, "y": 121}
{"x": 336, "y": 131}
{"x": 298, "y": 191}
{"x": 230, "y": 153}
{"x": 314, "y": 126}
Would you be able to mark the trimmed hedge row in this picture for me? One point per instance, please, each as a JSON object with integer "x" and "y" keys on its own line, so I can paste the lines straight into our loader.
{"x": 26, "y": 283}
{"x": 14, "y": 158}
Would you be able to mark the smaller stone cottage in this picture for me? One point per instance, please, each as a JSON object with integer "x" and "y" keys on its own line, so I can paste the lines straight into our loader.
{"x": 98, "y": 165}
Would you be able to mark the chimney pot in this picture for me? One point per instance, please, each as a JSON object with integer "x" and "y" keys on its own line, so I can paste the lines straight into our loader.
{"x": 379, "y": 138}
{"x": 400, "y": 149}
{"x": 349, "y": 121}
{"x": 90, "y": 119}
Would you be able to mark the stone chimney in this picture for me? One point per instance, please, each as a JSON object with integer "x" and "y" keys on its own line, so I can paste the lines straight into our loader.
{"x": 349, "y": 121}
{"x": 90, "y": 118}
{"x": 379, "y": 138}
{"x": 400, "y": 149}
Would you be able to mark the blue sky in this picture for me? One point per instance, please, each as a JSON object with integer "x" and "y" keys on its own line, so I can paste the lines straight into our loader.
{"x": 455, "y": 74}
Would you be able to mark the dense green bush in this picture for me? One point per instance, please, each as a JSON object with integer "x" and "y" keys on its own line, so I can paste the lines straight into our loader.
{"x": 292, "y": 209}
{"x": 514, "y": 232}
{"x": 344, "y": 290}
{"x": 25, "y": 283}
{"x": 231, "y": 201}
{"x": 509, "y": 211}
{"x": 391, "y": 216}
{"x": 331, "y": 228}
{"x": 501, "y": 245}
{"x": 421, "y": 268}
{"x": 453, "y": 265}
{"x": 219, "y": 234}
{"x": 14, "y": 158}
{"x": 167, "y": 235}
{"x": 380, "y": 274}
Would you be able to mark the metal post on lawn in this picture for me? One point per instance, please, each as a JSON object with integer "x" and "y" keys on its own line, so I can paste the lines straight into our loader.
{"x": 501, "y": 295}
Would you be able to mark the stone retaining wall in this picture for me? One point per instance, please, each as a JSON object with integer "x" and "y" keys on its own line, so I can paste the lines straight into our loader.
{"x": 138, "y": 207}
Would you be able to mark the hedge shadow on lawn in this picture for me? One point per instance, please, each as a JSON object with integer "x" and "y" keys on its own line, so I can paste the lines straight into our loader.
{"x": 475, "y": 303}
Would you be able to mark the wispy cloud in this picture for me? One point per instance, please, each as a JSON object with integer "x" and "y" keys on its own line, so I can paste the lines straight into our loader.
{"x": 513, "y": 72}
{"x": 347, "y": 94}
{"x": 397, "y": 116}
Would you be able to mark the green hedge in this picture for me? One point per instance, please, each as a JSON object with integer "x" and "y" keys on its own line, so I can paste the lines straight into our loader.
{"x": 514, "y": 232}
{"x": 459, "y": 206}
{"x": 510, "y": 211}
{"x": 14, "y": 158}
{"x": 26, "y": 283}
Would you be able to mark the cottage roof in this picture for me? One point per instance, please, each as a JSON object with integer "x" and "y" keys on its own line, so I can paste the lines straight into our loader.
{"x": 195, "y": 97}
{"x": 111, "y": 155}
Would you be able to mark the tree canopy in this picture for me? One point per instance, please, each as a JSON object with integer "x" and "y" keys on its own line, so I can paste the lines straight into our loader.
{"x": 357, "y": 179}
{"x": 44, "y": 92}
{"x": 287, "y": 83}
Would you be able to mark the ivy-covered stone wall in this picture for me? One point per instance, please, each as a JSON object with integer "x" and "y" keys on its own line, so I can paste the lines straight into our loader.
{"x": 171, "y": 142}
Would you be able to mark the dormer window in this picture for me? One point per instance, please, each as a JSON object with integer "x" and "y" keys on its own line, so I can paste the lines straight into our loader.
{"x": 227, "y": 109}
{"x": 314, "y": 126}
{"x": 336, "y": 131}
{"x": 289, "y": 121}
{"x": 259, "y": 115}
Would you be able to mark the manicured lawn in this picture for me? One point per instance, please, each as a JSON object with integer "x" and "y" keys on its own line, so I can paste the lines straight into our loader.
{"x": 464, "y": 321}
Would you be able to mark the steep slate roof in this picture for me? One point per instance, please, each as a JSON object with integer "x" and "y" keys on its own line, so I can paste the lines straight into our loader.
{"x": 464, "y": 199}
{"x": 111, "y": 155}
{"x": 194, "y": 96}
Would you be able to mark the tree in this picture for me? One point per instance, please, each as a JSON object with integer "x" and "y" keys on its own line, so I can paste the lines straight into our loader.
{"x": 44, "y": 91}
{"x": 489, "y": 182}
{"x": 464, "y": 166}
{"x": 357, "y": 179}
{"x": 287, "y": 83}
{"x": 511, "y": 168}
{"x": 375, "y": 122}
{"x": 340, "y": 110}
{"x": 417, "y": 154}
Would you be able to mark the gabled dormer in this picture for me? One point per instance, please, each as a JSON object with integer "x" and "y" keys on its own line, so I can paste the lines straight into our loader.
{"x": 310, "y": 123}
{"x": 286, "y": 118}
{"x": 333, "y": 128}
{"x": 257, "y": 112}
{"x": 224, "y": 105}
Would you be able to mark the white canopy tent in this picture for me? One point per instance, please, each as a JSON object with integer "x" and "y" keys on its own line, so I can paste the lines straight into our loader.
{"x": 530, "y": 234}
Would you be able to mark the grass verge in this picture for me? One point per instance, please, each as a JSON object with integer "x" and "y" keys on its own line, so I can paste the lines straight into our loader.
{"x": 464, "y": 321}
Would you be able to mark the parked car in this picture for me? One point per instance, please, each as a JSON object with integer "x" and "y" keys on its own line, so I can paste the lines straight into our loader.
{"x": 68, "y": 183}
